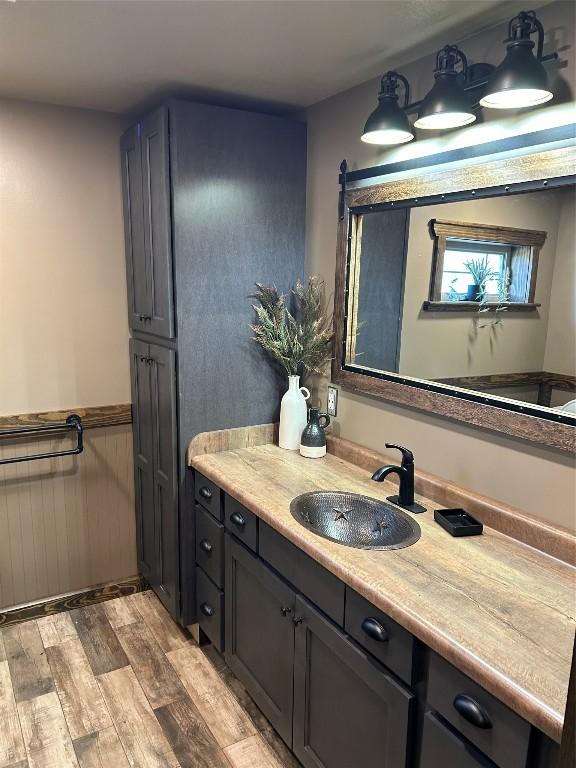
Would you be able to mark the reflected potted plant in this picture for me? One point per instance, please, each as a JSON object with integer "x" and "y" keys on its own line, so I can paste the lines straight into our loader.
{"x": 481, "y": 272}
{"x": 299, "y": 341}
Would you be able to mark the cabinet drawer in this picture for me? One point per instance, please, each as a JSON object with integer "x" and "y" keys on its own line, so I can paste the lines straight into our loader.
{"x": 210, "y": 603}
{"x": 497, "y": 731}
{"x": 441, "y": 746}
{"x": 208, "y": 494}
{"x": 379, "y": 634}
{"x": 319, "y": 585}
{"x": 210, "y": 545}
{"x": 241, "y": 522}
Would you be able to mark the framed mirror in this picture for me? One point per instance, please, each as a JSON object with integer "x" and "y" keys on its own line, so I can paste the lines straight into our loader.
{"x": 456, "y": 293}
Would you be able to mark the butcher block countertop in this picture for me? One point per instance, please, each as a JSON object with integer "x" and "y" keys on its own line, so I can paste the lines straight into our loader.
{"x": 499, "y": 610}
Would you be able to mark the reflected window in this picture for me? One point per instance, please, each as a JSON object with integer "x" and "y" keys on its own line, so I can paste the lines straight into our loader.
{"x": 471, "y": 268}
{"x": 484, "y": 263}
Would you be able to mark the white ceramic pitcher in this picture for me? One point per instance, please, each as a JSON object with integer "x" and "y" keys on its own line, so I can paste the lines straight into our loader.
{"x": 293, "y": 414}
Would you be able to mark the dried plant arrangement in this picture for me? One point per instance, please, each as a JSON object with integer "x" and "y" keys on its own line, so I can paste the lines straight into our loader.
{"x": 299, "y": 341}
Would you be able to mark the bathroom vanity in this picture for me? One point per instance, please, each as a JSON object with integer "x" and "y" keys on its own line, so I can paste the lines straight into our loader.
{"x": 450, "y": 652}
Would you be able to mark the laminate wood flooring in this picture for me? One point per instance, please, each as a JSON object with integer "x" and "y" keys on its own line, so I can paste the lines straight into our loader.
{"x": 121, "y": 685}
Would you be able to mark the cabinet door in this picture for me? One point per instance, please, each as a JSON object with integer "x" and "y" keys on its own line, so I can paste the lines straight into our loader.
{"x": 259, "y": 631}
{"x": 442, "y": 746}
{"x": 348, "y": 711}
{"x": 139, "y": 299}
{"x": 163, "y": 374}
{"x": 142, "y": 429}
{"x": 157, "y": 222}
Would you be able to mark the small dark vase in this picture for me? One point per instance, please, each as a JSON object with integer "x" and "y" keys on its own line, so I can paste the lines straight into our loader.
{"x": 474, "y": 292}
{"x": 313, "y": 440}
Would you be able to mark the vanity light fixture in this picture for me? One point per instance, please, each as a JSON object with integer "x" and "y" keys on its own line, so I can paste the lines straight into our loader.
{"x": 389, "y": 124}
{"x": 520, "y": 80}
{"x": 447, "y": 105}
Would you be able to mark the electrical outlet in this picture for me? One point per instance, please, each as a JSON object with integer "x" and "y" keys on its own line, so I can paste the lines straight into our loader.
{"x": 332, "y": 401}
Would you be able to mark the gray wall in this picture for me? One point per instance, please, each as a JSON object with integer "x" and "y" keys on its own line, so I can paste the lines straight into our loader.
{"x": 239, "y": 206}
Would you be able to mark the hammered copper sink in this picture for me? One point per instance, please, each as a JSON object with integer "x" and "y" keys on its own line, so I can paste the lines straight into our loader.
{"x": 355, "y": 520}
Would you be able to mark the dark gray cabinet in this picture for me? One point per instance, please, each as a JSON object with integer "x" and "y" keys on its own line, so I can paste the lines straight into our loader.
{"x": 441, "y": 746}
{"x": 157, "y": 223}
{"x": 136, "y": 268}
{"x": 492, "y": 727}
{"x": 210, "y": 546}
{"x": 214, "y": 201}
{"x": 154, "y": 416}
{"x": 348, "y": 710}
{"x": 210, "y": 609}
{"x": 147, "y": 225}
{"x": 143, "y": 436}
{"x": 329, "y": 701}
{"x": 260, "y": 634}
{"x": 336, "y": 696}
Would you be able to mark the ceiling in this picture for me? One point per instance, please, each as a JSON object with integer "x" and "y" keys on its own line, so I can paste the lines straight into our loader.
{"x": 122, "y": 55}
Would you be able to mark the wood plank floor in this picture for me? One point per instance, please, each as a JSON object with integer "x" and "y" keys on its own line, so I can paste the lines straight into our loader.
{"x": 120, "y": 685}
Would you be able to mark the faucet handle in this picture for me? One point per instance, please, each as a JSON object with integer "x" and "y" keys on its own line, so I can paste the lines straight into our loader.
{"x": 407, "y": 455}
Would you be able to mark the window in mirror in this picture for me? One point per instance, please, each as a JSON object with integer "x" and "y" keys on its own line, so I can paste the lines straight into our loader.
{"x": 482, "y": 263}
{"x": 474, "y": 269}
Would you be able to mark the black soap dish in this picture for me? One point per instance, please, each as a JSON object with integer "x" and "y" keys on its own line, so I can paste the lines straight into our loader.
{"x": 458, "y": 522}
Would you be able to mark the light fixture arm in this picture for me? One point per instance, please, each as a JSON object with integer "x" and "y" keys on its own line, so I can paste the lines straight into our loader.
{"x": 389, "y": 86}
{"x": 448, "y": 57}
{"x": 525, "y": 24}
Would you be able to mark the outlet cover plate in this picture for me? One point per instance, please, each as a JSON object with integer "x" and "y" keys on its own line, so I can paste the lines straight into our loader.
{"x": 332, "y": 407}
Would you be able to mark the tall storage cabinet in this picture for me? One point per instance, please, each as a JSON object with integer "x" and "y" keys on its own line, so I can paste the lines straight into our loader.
{"x": 153, "y": 372}
{"x": 214, "y": 201}
{"x": 147, "y": 223}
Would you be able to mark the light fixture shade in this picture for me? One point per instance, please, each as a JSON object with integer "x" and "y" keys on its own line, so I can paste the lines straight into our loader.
{"x": 519, "y": 81}
{"x": 447, "y": 105}
{"x": 389, "y": 124}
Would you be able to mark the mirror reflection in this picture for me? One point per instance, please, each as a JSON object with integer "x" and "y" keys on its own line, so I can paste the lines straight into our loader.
{"x": 478, "y": 294}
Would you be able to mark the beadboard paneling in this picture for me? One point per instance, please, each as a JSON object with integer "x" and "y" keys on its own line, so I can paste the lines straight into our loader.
{"x": 66, "y": 523}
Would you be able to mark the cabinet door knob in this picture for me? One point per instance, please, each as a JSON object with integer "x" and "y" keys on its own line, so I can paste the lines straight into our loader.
{"x": 472, "y": 712}
{"x": 237, "y": 519}
{"x": 206, "y": 493}
{"x": 297, "y": 620}
{"x": 205, "y": 546}
{"x": 207, "y": 609}
{"x": 285, "y": 610}
{"x": 374, "y": 630}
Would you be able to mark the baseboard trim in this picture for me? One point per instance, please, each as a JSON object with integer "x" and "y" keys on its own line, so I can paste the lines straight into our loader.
{"x": 71, "y": 600}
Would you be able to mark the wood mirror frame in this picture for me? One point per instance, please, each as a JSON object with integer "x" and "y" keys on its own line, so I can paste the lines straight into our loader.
{"x": 539, "y": 169}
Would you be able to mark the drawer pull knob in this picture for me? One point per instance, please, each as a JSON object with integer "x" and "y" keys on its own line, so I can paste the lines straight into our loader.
{"x": 374, "y": 630}
{"x": 206, "y": 493}
{"x": 207, "y": 609}
{"x": 285, "y": 610}
{"x": 237, "y": 519}
{"x": 472, "y": 712}
{"x": 205, "y": 546}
